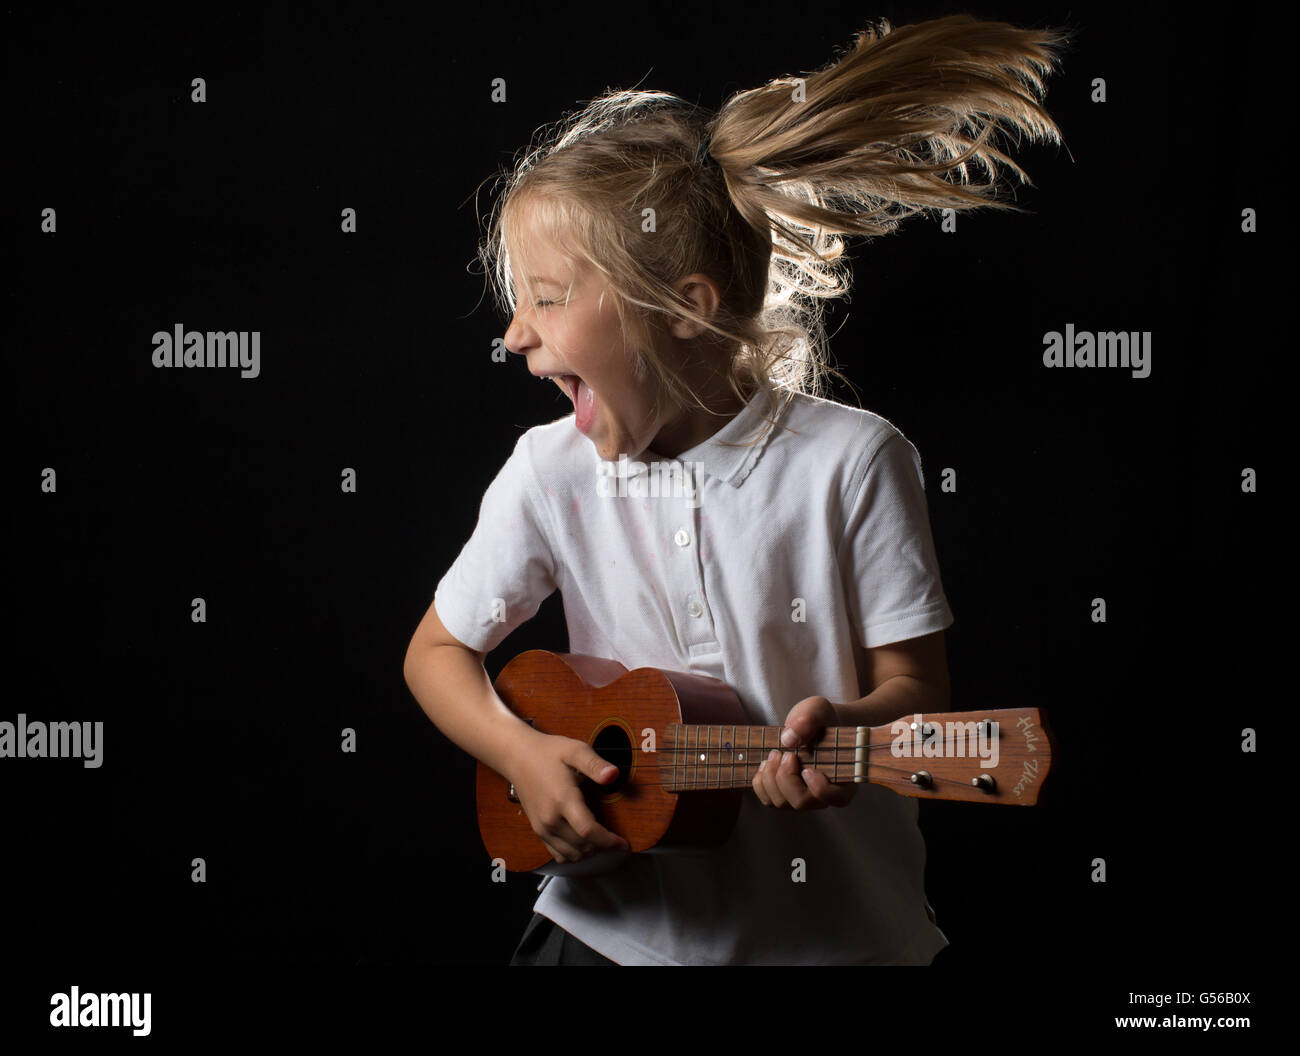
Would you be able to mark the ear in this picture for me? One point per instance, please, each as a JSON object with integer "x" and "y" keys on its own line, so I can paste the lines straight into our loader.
{"x": 704, "y": 295}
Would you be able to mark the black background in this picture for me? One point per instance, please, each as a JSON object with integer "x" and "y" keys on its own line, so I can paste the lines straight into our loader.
{"x": 222, "y": 738}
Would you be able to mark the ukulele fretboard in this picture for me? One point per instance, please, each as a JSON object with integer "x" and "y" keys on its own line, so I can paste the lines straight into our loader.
{"x": 699, "y": 757}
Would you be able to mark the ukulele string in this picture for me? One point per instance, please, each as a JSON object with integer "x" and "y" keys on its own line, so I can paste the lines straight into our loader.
{"x": 697, "y": 782}
{"x": 849, "y": 748}
{"x": 828, "y": 757}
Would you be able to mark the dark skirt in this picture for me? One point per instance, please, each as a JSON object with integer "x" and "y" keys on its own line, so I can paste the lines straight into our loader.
{"x": 545, "y": 942}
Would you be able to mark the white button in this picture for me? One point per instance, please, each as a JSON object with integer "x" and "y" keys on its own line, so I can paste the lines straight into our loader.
{"x": 695, "y": 609}
{"x": 682, "y": 538}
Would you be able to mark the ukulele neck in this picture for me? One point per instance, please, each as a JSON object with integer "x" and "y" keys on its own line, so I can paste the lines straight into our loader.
{"x": 703, "y": 757}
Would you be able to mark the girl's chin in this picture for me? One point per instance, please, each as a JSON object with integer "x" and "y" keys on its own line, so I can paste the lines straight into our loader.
{"x": 610, "y": 444}
{"x": 607, "y": 447}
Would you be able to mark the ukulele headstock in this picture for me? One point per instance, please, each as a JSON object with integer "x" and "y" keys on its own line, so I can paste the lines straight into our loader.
{"x": 993, "y": 756}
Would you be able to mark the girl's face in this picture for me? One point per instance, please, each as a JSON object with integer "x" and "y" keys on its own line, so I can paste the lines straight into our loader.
{"x": 570, "y": 332}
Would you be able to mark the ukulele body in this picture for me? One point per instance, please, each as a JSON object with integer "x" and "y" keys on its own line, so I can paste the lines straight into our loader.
{"x": 628, "y": 718}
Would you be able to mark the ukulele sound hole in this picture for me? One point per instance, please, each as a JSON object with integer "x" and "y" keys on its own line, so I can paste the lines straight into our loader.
{"x": 613, "y": 745}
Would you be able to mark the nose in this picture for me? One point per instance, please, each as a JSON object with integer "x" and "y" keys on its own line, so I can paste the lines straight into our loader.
{"x": 516, "y": 338}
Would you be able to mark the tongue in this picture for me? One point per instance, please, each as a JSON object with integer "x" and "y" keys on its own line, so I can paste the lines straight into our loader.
{"x": 584, "y": 406}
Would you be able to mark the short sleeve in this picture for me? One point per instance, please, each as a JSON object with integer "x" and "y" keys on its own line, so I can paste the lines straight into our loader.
{"x": 887, "y": 555}
{"x": 507, "y": 568}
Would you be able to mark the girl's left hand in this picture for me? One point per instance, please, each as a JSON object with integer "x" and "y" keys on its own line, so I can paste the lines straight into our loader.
{"x": 779, "y": 782}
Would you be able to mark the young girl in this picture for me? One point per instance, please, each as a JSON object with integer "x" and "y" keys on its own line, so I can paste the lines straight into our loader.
{"x": 665, "y": 270}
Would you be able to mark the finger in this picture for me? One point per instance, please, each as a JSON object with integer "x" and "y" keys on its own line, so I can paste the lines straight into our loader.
{"x": 554, "y": 830}
{"x": 591, "y": 765}
{"x": 560, "y": 850}
{"x": 807, "y": 720}
{"x": 825, "y": 791}
{"x": 545, "y": 828}
{"x": 791, "y": 783}
{"x": 760, "y": 788}
{"x": 589, "y": 835}
{"x": 771, "y": 784}
{"x": 577, "y": 847}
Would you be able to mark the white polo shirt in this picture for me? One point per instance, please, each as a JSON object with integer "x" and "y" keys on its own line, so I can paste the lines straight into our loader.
{"x": 769, "y": 567}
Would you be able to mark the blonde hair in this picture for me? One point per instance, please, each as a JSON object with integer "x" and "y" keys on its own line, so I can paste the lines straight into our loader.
{"x": 894, "y": 126}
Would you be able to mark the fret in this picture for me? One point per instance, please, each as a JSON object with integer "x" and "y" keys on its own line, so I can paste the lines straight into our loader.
{"x": 701, "y": 749}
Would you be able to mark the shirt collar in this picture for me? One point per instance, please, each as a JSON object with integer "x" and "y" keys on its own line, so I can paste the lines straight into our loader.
{"x": 717, "y": 455}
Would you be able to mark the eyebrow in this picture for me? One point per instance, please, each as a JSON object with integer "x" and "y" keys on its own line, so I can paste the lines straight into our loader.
{"x": 538, "y": 280}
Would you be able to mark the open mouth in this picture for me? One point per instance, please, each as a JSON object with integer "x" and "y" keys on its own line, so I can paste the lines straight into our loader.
{"x": 570, "y": 383}
{"x": 584, "y": 400}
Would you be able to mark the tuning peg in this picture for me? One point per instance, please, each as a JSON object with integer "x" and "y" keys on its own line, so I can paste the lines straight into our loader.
{"x": 985, "y": 783}
{"x": 922, "y": 779}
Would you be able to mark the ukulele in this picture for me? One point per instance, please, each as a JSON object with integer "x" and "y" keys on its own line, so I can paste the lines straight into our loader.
{"x": 686, "y": 752}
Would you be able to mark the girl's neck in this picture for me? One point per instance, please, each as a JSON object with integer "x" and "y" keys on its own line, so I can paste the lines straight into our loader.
{"x": 694, "y": 425}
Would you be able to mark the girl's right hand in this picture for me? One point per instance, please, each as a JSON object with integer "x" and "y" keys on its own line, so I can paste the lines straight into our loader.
{"x": 547, "y": 776}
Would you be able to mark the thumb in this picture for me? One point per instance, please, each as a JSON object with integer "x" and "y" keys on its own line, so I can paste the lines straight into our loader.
{"x": 596, "y": 768}
{"x": 806, "y": 721}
